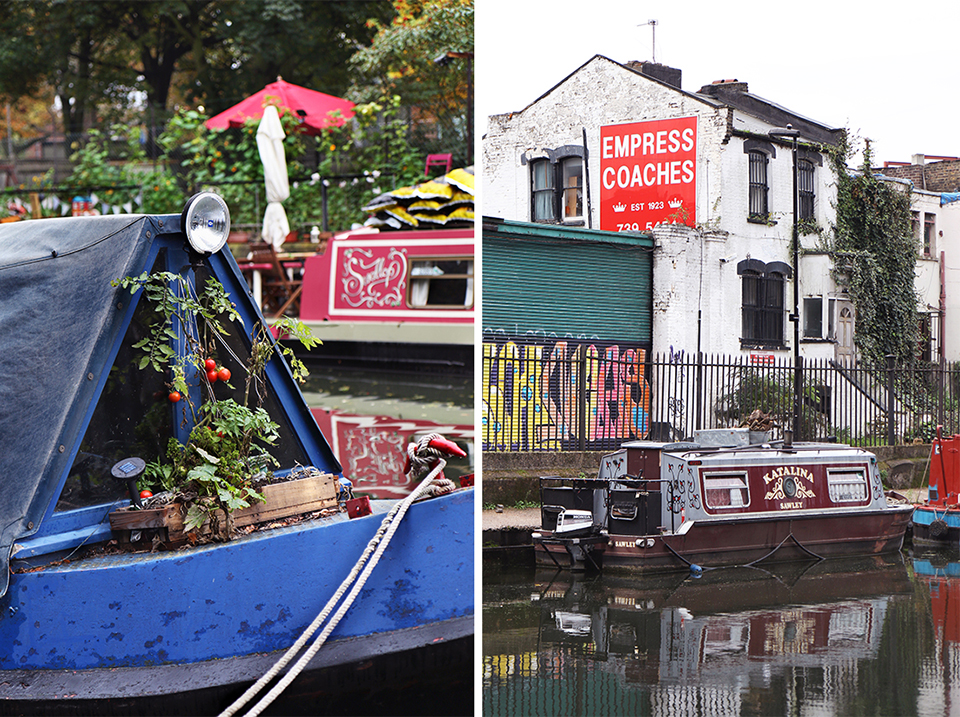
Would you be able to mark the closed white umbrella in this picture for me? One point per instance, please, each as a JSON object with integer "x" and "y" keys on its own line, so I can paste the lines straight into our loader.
{"x": 270, "y": 143}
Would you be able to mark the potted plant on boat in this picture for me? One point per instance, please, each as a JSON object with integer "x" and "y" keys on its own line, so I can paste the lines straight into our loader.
{"x": 219, "y": 468}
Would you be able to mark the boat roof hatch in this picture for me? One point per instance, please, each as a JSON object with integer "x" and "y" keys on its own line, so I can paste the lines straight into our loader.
{"x": 61, "y": 328}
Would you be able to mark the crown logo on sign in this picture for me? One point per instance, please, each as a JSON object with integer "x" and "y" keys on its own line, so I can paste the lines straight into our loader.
{"x": 619, "y": 208}
{"x": 675, "y": 203}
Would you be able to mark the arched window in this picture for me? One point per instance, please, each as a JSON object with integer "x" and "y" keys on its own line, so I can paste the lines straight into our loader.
{"x": 556, "y": 186}
{"x": 762, "y": 309}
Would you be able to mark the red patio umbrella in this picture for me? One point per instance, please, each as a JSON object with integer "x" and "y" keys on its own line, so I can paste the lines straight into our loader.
{"x": 310, "y": 106}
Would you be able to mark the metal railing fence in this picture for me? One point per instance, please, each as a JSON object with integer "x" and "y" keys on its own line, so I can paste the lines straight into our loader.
{"x": 543, "y": 397}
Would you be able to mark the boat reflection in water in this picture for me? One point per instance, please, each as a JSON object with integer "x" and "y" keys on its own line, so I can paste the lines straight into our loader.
{"x": 371, "y": 418}
{"x": 939, "y": 571}
{"x": 834, "y": 637}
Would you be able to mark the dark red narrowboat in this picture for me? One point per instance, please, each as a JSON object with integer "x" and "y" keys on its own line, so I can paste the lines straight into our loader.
{"x": 660, "y": 506}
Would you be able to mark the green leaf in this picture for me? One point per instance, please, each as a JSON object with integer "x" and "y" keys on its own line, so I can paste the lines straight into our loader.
{"x": 196, "y": 516}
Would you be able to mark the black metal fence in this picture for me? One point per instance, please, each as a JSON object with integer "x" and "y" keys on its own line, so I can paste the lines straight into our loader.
{"x": 562, "y": 396}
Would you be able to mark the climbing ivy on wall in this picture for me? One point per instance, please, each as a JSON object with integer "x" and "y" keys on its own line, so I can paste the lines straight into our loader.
{"x": 874, "y": 258}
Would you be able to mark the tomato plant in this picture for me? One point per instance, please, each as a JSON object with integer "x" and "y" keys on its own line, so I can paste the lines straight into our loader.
{"x": 228, "y": 446}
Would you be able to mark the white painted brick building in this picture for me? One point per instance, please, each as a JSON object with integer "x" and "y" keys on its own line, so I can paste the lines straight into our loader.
{"x": 724, "y": 284}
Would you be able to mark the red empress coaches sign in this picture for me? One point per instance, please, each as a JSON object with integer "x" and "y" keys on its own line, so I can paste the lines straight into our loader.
{"x": 648, "y": 173}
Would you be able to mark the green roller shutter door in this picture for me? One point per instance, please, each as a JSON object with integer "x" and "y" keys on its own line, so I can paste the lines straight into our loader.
{"x": 581, "y": 289}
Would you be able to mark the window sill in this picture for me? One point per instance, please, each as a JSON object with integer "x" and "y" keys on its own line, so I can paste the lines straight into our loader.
{"x": 560, "y": 223}
{"x": 759, "y": 219}
{"x": 753, "y": 344}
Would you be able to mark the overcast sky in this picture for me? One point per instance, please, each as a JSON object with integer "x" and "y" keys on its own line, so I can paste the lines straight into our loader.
{"x": 885, "y": 74}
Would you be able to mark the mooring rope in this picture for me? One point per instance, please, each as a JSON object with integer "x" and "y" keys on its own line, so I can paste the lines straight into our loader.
{"x": 752, "y": 563}
{"x": 377, "y": 545}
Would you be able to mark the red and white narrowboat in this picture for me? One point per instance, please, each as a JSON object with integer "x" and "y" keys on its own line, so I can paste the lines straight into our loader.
{"x": 659, "y": 506}
{"x": 937, "y": 521}
{"x": 395, "y": 287}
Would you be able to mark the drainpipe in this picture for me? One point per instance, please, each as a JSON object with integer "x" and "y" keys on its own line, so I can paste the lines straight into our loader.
{"x": 586, "y": 179}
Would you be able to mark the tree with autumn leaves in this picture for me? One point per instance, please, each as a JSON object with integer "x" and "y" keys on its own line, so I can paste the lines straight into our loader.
{"x": 425, "y": 56}
{"x": 93, "y": 58}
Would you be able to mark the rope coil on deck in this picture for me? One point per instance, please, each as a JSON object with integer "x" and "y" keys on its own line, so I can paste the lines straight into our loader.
{"x": 420, "y": 456}
{"x": 374, "y": 550}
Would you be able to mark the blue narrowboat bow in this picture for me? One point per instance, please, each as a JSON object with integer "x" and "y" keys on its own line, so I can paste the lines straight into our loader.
{"x": 88, "y": 629}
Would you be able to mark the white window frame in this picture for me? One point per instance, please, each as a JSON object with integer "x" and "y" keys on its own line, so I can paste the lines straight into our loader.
{"x": 734, "y": 483}
{"x": 849, "y": 485}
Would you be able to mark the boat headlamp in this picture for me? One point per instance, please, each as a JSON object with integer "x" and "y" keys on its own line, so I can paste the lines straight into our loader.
{"x": 206, "y": 222}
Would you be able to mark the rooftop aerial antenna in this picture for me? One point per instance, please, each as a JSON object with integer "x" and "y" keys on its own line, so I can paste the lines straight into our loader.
{"x": 653, "y": 30}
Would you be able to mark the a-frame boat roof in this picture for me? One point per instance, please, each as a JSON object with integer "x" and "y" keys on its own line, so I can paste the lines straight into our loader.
{"x": 61, "y": 325}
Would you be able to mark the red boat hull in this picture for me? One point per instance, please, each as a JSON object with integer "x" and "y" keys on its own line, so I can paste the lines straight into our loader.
{"x": 774, "y": 538}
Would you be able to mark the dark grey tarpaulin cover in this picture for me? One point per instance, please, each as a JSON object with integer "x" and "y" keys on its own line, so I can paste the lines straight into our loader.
{"x": 58, "y": 321}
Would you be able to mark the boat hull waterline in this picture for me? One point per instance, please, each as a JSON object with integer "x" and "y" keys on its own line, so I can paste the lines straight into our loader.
{"x": 726, "y": 543}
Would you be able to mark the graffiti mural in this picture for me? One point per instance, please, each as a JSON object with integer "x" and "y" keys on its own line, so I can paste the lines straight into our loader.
{"x": 547, "y": 395}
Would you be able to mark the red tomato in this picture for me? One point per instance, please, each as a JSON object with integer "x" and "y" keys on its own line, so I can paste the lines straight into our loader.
{"x": 212, "y": 375}
{"x": 224, "y": 374}
{"x": 209, "y": 364}
{"x": 174, "y": 396}
{"x": 146, "y": 494}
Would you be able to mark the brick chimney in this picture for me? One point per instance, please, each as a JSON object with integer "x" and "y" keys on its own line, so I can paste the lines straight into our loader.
{"x": 668, "y": 75}
{"x": 718, "y": 86}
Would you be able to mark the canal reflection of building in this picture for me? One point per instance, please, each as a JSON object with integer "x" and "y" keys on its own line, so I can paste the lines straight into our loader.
{"x": 712, "y": 642}
{"x": 373, "y": 449}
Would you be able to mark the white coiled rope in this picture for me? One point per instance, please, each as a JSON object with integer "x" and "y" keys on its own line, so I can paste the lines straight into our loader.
{"x": 376, "y": 546}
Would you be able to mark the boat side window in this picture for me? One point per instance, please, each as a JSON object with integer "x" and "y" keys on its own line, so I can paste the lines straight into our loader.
{"x": 135, "y": 418}
{"x": 847, "y": 486}
{"x": 132, "y": 418}
{"x": 440, "y": 283}
{"x": 728, "y": 490}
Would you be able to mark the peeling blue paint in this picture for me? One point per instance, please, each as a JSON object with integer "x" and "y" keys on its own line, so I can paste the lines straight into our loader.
{"x": 205, "y": 619}
{"x": 169, "y": 617}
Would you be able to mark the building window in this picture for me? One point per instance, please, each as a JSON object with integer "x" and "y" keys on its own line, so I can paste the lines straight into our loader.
{"x": 763, "y": 305}
{"x": 813, "y": 318}
{"x": 572, "y": 171}
{"x": 556, "y": 187}
{"x": 805, "y": 189}
{"x": 758, "y": 186}
{"x": 929, "y": 230}
{"x": 440, "y": 284}
{"x": 543, "y": 176}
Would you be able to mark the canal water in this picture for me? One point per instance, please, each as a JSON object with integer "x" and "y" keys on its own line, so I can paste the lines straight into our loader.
{"x": 369, "y": 418}
{"x": 864, "y": 636}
